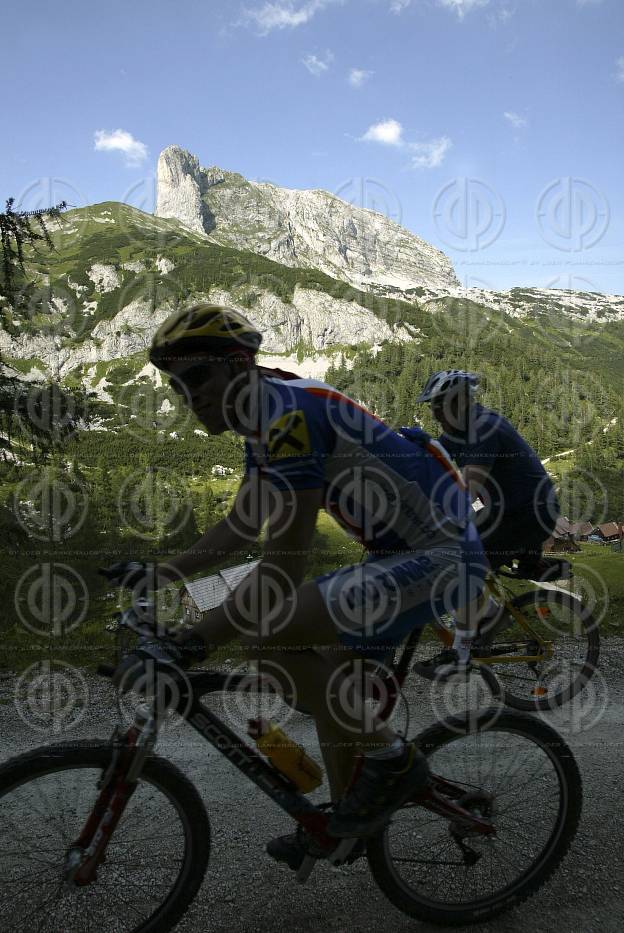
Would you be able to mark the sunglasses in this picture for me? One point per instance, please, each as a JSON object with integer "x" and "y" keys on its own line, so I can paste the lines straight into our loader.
{"x": 187, "y": 382}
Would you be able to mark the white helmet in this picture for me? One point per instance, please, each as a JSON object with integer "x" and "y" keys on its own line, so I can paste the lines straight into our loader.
{"x": 448, "y": 380}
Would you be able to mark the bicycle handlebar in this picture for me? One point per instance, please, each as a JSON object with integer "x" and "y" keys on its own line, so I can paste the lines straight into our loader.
{"x": 128, "y": 573}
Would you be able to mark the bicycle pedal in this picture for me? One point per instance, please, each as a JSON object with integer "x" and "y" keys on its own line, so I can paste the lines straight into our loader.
{"x": 342, "y": 851}
{"x": 305, "y": 870}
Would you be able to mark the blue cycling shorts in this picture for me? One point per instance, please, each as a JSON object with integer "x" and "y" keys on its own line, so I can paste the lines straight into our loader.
{"x": 376, "y": 604}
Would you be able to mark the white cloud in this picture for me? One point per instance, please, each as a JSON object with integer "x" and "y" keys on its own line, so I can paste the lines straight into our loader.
{"x": 427, "y": 154}
{"x": 501, "y": 15}
{"x": 430, "y": 154}
{"x": 283, "y": 14}
{"x": 588, "y": 2}
{"x": 619, "y": 65}
{"x": 397, "y": 6}
{"x": 389, "y": 132}
{"x": 121, "y": 141}
{"x": 517, "y": 121}
{"x": 318, "y": 66}
{"x": 358, "y": 76}
{"x": 461, "y": 7}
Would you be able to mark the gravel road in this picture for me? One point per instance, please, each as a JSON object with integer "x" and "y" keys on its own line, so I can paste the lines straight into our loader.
{"x": 245, "y": 891}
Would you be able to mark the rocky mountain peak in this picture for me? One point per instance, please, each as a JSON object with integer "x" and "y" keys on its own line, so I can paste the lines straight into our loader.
{"x": 306, "y": 229}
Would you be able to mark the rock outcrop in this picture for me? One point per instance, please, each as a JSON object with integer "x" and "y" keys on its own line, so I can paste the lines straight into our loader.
{"x": 314, "y": 322}
{"x": 306, "y": 229}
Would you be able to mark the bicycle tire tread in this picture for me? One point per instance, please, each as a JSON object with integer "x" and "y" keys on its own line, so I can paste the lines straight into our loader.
{"x": 429, "y": 741}
{"x": 161, "y": 772}
{"x": 590, "y": 663}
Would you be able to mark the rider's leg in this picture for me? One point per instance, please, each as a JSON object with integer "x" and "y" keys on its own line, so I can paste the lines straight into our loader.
{"x": 339, "y": 749}
{"x": 325, "y": 686}
{"x": 470, "y": 620}
{"x": 369, "y": 607}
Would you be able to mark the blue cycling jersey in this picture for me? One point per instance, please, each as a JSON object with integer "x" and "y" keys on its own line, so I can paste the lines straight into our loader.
{"x": 390, "y": 491}
{"x": 516, "y": 477}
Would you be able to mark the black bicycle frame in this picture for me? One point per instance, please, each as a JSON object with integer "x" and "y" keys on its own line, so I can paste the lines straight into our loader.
{"x": 248, "y": 761}
{"x": 268, "y": 778}
{"x": 438, "y": 798}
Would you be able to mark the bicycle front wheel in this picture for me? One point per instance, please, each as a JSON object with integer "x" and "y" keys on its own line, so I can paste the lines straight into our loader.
{"x": 565, "y": 650}
{"x": 154, "y": 864}
{"x": 518, "y": 773}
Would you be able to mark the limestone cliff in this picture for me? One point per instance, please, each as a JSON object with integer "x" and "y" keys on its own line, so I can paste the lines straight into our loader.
{"x": 306, "y": 229}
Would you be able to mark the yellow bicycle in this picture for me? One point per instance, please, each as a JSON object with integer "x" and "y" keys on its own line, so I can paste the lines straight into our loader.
{"x": 543, "y": 646}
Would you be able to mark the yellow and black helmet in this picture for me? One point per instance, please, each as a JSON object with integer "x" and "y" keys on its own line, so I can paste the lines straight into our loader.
{"x": 203, "y": 326}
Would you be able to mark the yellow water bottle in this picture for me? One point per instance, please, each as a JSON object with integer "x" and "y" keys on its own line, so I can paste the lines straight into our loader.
{"x": 288, "y": 757}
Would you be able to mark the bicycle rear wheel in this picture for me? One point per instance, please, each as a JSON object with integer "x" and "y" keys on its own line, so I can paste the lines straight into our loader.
{"x": 154, "y": 864}
{"x": 556, "y": 617}
{"x": 520, "y": 770}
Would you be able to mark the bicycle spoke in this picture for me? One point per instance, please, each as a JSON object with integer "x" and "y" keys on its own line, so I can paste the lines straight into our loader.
{"x": 518, "y": 775}
{"x": 145, "y": 856}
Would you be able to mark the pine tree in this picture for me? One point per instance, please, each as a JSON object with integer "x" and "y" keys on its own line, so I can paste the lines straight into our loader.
{"x": 18, "y": 228}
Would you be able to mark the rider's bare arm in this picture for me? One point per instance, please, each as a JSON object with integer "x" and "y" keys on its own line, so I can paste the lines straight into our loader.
{"x": 232, "y": 533}
{"x": 286, "y": 547}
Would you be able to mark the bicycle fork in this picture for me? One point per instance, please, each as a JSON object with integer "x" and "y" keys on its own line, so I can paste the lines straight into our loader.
{"x": 116, "y": 786}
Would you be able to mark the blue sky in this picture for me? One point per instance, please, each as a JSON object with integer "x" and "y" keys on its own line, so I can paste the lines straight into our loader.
{"x": 491, "y": 128}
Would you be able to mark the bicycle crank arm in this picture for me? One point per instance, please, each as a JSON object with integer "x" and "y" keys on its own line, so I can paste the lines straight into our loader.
{"x": 305, "y": 870}
{"x": 342, "y": 851}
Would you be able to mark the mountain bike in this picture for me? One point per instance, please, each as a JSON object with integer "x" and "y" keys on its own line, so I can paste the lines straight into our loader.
{"x": 107, "y": 836}
{"x": 544, "y": 646}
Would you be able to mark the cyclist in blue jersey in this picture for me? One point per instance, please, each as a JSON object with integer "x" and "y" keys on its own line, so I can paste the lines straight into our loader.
{"x": 519, "y": 507}
{"x": 309, "y": 447}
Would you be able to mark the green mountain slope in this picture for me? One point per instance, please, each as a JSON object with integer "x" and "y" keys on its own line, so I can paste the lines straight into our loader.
{"x": 84, "y": 320}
